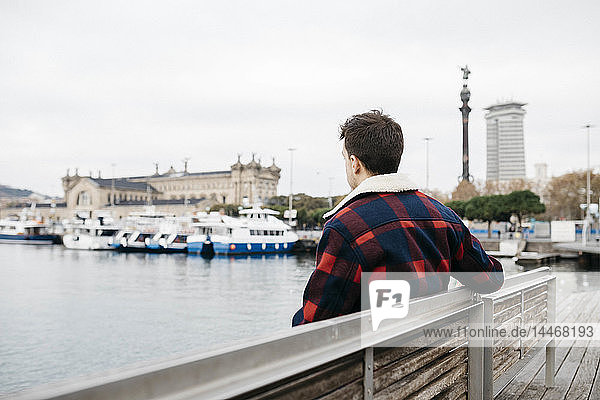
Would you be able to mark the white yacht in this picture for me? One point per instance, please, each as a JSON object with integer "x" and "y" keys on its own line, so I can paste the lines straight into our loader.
{"x": 256, "y": 231}
{"x": 19, "y": 230}
{"x": 86, "y": 233}
{"x": 153, "y": 232}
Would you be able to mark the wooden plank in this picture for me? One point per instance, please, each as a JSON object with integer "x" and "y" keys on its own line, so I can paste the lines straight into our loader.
{"x": 314, "y": 383}
{"x": 595, "y": 392}
{"x": 499, "y": 344}
{"x": 458, "y": 390}
{"x": 506, "y": 303}
{"x": 386, "y": 355}
{"x": 399, "y": 369}
{"x": 534, "y": 301}
{"x": 582, "y": 312}
{"x": 445, "y": 382}
{"x": 529, "y": 293}
{"x": 383, "y": 356}
{"x": 533, "y": 312}
{"x": 581, "y": 386}
{"x": 421, "y": 377}
{"x": 503, "y": 352}
{"x": 536, "y": 366}
{"x": 508, "y": 360}
{"x": 566, "y": 374}
{"x": 507, "y": 314}
{"x": 420, "y": 340}
{"x": 352, "y": 391}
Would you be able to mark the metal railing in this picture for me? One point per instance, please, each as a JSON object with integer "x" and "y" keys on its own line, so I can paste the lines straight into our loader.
{"x": 518, "y": 285}
{"x": 244, "y": 367}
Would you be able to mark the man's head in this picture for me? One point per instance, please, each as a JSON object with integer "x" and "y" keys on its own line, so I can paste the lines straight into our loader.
{"x": 373, "y": 145}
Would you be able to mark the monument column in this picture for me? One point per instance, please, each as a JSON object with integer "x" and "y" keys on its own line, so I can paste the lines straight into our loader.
{"x": 465, "y": 95}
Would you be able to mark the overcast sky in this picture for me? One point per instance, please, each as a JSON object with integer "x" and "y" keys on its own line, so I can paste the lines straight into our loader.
{"x": 90, "y": 83}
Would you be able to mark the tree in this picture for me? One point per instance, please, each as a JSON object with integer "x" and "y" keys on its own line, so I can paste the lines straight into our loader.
{"x": 565, "y": 193}
{"x": 464, "y": 191}
{"x": 503, "y": 187}
{"x": 458, "y": 207}
{"x": 488, "y": 209}
{"x": 524, "y": 202}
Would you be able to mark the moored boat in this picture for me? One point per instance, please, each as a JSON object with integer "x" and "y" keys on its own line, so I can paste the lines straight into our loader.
{"x": 90, "y": 233}
{"x": 24, "y": 231}
{"x": 256, "y": 231}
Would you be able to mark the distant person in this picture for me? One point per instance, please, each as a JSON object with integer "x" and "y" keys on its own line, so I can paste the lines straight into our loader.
{"x": 386, "y": 225}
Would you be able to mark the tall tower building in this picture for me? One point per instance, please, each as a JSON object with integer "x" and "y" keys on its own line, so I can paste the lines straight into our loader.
{"x": 505, "y": 144}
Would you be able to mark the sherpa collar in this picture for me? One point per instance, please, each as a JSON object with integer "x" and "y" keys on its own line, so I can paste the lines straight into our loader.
{"x": 384, "y": 183}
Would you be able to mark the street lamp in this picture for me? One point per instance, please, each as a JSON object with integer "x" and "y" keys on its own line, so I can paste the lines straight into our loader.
{"x": 427, "y": 140}
{"x": 291, "y": 150}
{"x": 588, "y": 189}
{"x": 112, "y": 185}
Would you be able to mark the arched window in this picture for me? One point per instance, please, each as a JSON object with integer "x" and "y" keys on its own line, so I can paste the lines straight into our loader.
{"x": 83, "y": 199}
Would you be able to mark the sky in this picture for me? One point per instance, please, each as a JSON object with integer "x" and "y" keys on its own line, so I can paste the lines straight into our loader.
{"x": 88, "y": 84}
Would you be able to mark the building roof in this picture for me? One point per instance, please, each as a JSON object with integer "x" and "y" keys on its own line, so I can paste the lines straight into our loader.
{"x": 508, "y": 104}
{"x": 120, "y": 183}
{"x": 177, "y": 175}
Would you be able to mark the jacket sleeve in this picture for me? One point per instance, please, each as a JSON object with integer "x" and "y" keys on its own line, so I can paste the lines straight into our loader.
{"x": 334, "y": 286}
{"x": 473, "y": 267}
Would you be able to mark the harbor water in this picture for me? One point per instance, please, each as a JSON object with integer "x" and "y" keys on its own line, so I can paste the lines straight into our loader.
{"x": 66, "y": 313}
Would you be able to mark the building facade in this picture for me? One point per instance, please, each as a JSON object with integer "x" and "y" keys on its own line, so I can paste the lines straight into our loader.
{"x": 505, "y": 142}
{"x": 249, "y": 183}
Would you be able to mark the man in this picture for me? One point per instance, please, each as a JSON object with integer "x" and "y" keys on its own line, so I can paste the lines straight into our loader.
{"x": 386, "y": 225}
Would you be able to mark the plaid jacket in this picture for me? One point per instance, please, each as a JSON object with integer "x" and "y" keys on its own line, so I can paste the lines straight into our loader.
{"x": 385, "y": 225}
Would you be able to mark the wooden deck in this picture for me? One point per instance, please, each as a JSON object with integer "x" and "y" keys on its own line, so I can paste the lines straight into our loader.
{"x": 577, "y": 363}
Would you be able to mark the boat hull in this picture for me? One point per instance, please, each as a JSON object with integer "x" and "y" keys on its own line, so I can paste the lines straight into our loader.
{"x": 28, "y": 239}
{"x": 151, "y": 250}
{"x": 243, "y": 248}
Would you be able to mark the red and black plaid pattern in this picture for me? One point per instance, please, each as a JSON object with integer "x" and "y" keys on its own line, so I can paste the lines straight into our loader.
{"x": 405, "y": 232}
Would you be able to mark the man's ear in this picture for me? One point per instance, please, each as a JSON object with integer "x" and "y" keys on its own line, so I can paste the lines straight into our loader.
{"x": 356, "y": 164}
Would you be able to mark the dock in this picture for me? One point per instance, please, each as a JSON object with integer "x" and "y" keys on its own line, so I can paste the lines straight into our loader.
{"x": 578, "y": 363}
{"x": 533, "y": 258}
{"x": 590, "y": 253}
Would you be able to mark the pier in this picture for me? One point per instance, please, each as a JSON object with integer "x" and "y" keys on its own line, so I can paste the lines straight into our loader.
{"x": 343, "y": 358}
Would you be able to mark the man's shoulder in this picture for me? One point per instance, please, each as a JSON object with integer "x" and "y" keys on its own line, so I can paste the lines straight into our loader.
{"x": 374, "y": 209}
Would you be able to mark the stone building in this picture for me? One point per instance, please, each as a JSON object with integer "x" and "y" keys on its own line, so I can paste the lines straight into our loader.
{"x": 246, "y": 184}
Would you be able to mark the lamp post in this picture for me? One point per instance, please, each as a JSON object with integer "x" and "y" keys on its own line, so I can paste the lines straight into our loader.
{"x": 588, "y": 189}
{"x": 112, "y": 186}
{"x": 427, "y": 140}
{"x": 291, "y": 150}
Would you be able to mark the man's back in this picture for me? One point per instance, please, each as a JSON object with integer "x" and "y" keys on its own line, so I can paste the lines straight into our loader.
{"x": 395, "y": 231}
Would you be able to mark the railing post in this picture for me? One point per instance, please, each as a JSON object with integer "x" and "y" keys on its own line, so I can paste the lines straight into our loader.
{"x": 550, "y": 347}
{"x": 368, "y": 374}
{"x": 521, "y": 324}
{"x": 475, "y": 355}
{"x": 488, "y": 348}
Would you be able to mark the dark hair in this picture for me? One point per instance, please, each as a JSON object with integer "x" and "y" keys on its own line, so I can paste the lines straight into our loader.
{"x": 376, "y": 139}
